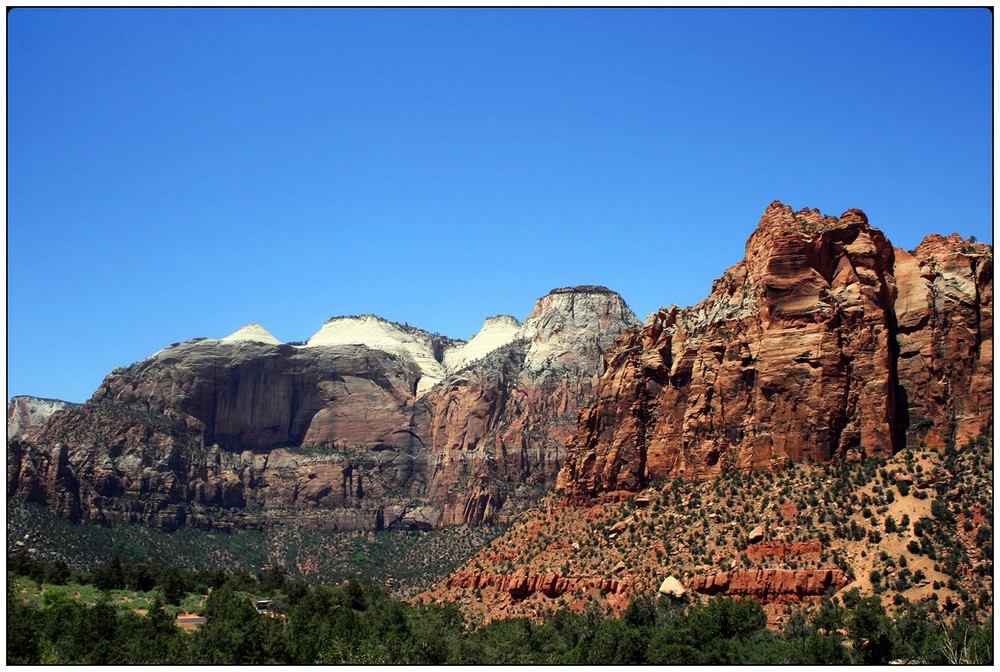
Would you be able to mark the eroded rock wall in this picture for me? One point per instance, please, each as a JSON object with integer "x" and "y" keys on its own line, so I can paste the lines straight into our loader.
{"x": 501, "y": 426}
{"x": 823, "y": 343}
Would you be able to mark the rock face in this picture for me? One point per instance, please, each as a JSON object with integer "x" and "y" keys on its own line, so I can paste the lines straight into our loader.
{"x": 506, "y": 420}
{"x": 770, "y": 585}
{"x": 368, "y": 425}
{"x": 944, "y": 314}
{"x": 784, "y": 549}
{"x": 823, "y": 343}
{"x": 24, "y": 413}
{"x": 773, "y": 588}
{"x": 521, "y": 586}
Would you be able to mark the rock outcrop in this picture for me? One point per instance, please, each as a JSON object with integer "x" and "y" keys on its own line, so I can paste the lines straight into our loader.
{"x": 823, "y": 343}
{"x": 770, "y": 586}
{"x": 672, "y": 587}
{"x": 783, "y": 549}
{"x": 520, "y": 586}
{"x": 368, "y": 425}
{"x": 773, "y": 588}
{"x": 25, "y": 413}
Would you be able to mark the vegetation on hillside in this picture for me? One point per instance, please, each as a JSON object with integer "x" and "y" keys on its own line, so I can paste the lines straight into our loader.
{"x": 914, "y": 528}
{"x": 407, "y": 561}
{"x": 913, "y": 533}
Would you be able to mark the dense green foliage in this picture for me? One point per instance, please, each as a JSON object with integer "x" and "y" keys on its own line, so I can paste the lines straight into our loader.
{"x": 359, "y": 622}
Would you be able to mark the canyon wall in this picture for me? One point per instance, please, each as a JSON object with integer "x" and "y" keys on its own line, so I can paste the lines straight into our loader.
{"x": 368, "y": 425}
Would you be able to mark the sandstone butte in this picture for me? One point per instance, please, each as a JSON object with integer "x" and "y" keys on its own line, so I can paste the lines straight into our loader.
{"x": 823, "y": 343}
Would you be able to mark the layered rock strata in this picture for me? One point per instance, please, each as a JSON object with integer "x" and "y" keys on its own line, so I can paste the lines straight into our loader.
{"x": 770, "y": 586}
{"x": 944, "y": 340}
{"x": 823, "y": 343}
{"x": 773, "y": 588}
{"x": 520, "y": 586}
{"x": 783, "y": 549}
{"x": 368, "y": 425}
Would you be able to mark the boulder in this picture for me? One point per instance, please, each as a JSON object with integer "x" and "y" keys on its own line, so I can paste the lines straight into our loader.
{"x": 672, "y": 587}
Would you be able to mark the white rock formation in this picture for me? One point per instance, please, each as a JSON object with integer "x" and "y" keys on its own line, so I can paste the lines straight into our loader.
{"x": 496, "y": 332}
{"x": 25, "y": 412}
{"x": 672, "y": 587}
{"x": 565, "y": 329}
{"x": 374, "y": 332}
{"x": 252, "y": 332}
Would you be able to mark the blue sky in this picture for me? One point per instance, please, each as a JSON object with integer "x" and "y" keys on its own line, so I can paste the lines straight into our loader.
{"x": 178, "y": 173}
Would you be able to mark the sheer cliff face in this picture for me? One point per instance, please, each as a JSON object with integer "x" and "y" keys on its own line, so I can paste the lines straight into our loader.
{"x": 823, "y": 343}
{"x": 369, "y": 425}
{"x": 256, "y": 396}
{"x": 944, "y": 312}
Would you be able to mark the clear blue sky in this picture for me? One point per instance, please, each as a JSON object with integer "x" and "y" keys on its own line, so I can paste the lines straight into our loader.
{"x": 179, "y": 173}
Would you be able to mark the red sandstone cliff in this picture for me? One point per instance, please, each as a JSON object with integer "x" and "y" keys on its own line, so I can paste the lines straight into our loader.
{"x": 823, "y": 343}
{"x": 944, "y": 314}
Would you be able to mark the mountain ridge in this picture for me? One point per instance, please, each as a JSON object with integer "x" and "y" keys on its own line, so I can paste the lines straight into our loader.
{"x": 824, "y": 349}
{"x": 372, "y": 403}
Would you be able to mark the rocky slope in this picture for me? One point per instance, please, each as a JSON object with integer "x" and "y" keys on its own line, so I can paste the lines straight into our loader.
{"x": 913, "y": 527}
{"x": 368, "y": 425}
{"x": 824, "y": 343}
